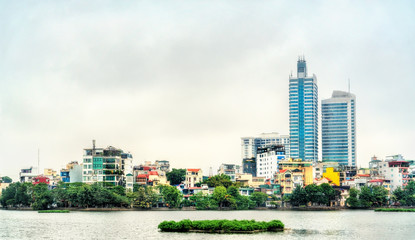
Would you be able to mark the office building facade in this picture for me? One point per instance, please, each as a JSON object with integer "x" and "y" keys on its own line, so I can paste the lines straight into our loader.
{"x": 303, "y": 107}
{"x": 338, "y": 128}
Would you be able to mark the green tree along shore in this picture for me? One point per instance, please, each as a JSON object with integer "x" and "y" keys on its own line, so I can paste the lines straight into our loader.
{"x": 81, "y": 195}
{"x": 225, "y": 195}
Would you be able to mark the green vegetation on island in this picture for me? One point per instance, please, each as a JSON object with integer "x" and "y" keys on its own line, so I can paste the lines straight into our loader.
{"x": 221, "y": 226}
{"x": 53, "y": 211}
{"x": 395, "y": 210}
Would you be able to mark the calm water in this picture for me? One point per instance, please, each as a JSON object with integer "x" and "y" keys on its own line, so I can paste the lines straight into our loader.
{"x": 143, "y": 225}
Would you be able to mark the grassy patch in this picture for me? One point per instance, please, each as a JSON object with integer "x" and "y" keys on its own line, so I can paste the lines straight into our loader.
{"x": 395, "y": 210}
{"x": 221, "y": 226}
{"x": 53, "y": 211}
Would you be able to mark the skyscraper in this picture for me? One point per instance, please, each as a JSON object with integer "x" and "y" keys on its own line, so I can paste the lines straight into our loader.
{"x": 339, "y": 128}
{"x": 303, "y": 94}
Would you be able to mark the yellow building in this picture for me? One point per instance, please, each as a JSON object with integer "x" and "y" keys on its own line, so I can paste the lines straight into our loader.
{"x": 332, "y": 175}
{"x": 49, "y": 172}
{"x": 306, "y": 169}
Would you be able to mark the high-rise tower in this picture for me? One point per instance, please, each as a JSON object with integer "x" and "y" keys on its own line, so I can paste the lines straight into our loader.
{"x": 303, "y": 93}
{"x": 339, "y": 129}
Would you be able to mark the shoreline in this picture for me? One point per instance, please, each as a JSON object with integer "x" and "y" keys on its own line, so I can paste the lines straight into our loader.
{"x": 194, "y": 209}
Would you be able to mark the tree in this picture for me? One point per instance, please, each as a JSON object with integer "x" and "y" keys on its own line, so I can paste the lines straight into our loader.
{"x": 379, "y": 196}
{"x": 145, "y": 197}
{"x": 219, "y": 180}
{"x": 171, "y": 196}
{"x": 42, "y": 196}
{"x": 219, "y": 194}
{"x": 405, "y": 196}
{"x": 6, "y": 179}
{"x": 233, "y": 191}
{"x": 352, "y": 201}
{"x": 176, "y": 176}
{"x": 314, "y": 194}
{"x": 259, "y": 198}
{"x": 365, "y": 197}
{"x": 204, "y": 202}
{"x": 17, "y": 195}
{"x": 298, "y": 196}
{"x": 329, "y": 194}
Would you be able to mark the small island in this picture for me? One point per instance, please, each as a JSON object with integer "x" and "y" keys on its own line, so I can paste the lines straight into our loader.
{"x": 221, "y": 226}
{"x": 53, "y": 211}
{"x": 395, "y": 210}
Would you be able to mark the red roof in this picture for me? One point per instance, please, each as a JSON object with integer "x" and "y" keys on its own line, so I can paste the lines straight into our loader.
{"x": 142, "y": 176}
{"x": 146, "y": 168}
{"x": 376, "y": 180}
{"x": 195, "y": 187}
{"x": 283, "y": 171}
{"x": 193, "y": 169}
{"x": 363, "y": 175}
{"x": 153, "y": 173}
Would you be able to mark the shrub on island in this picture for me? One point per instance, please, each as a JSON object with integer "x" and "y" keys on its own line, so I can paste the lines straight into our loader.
{"x": 221, "y": 226}
{"x": 395, "y": 210}
{"x": 53, "y": 211}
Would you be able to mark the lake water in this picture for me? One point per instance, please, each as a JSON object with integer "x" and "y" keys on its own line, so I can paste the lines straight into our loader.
{"x": 345, "y": 224}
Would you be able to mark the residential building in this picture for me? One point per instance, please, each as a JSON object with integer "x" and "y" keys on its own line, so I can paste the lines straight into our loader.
{"x": 339, "y": 128}
{"x": 395, "y": 171}
{"x": 267, "y": 160}
{"x": 249, "y": 166}
{"x": 306, "y": 169}
{"x": 129, "y": 182}
{"x": 40, "y": 179}
{"x": 245, "y": 179}
{"x": 75, "y": 173}
{"x": 250, "y": 145}
{"x": 65, "y": 176}
{"x": 230, "y": 170}
{"x": 193, "y": 176}
{"x": 27, "y": 174}
{"x": 163, "y": 165}
{"x": 289, "y": 179}
{"x": 332, "y": 175}
{"x": 106, "y": 165}
{"x": 258, "y": 181}
{"x": 303, "y": 108}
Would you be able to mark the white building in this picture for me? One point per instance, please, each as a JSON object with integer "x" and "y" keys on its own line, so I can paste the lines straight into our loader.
{"x": 249, "y": 145}
{"x": 27, "y": 174}
{"x": 230, "y": 170}
{"x": 108, "y": 165}
{"x": 395, "y": 171}
{"x": 193, "y": 176}
{"x": 268, "y": 159}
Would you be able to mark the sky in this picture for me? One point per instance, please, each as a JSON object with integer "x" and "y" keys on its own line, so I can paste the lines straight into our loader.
{"x": 184, "y": 80}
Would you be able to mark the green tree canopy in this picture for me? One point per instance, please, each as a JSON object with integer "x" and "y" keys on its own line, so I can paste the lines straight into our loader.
{"x": 298, "y": 196}
{"x": 219, "y": 180}
{"x": 6, "y": 179}
{"x": 171, "y": 195}
{"x": 176, "y": 176}
{"x": 259, "y": 198}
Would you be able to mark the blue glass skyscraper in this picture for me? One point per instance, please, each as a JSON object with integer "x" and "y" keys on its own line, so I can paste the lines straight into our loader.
{"x": 339, "y": 128}
{"x": 303, "y": 94}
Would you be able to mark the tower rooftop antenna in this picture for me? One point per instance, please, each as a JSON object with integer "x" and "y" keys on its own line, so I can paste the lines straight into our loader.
{"x": 349, "y": 84}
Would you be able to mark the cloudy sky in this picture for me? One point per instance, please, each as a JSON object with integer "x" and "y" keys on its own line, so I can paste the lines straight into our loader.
{"x": 184, "y": 80}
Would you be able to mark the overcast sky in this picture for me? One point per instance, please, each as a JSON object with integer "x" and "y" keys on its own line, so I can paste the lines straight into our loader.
{"x": 184, "y": 80}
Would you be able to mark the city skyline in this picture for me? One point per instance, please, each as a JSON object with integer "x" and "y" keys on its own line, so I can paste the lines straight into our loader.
{"x": 186, "y": 82}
